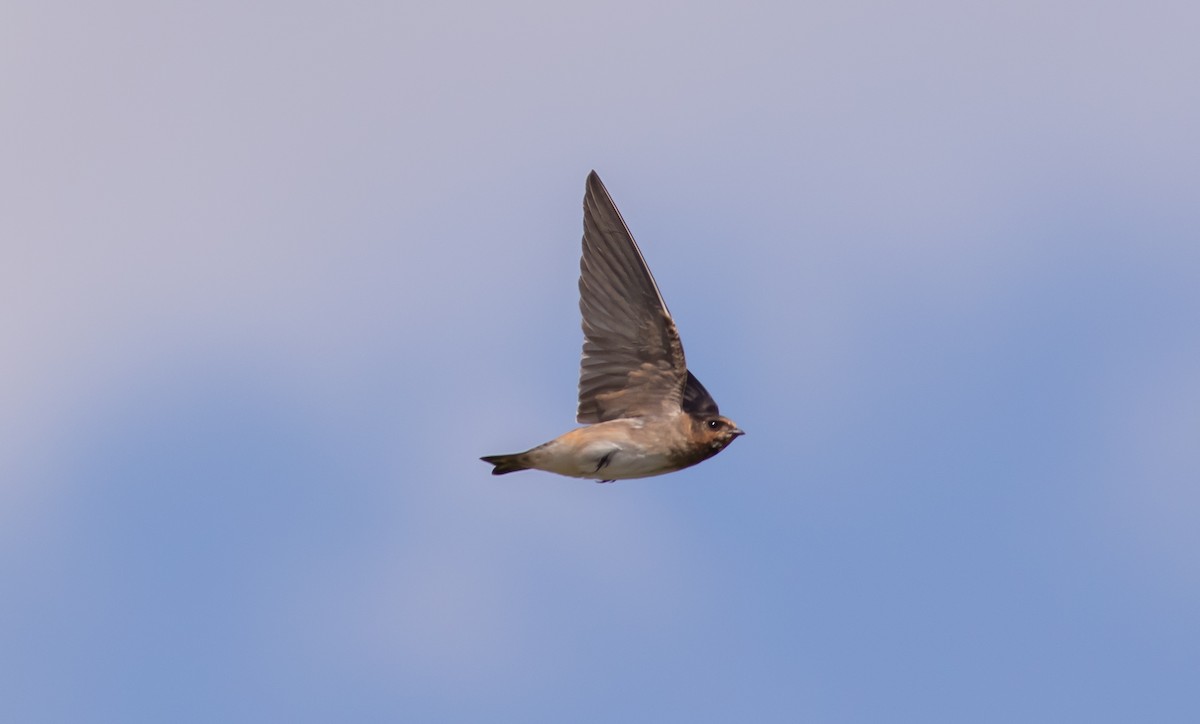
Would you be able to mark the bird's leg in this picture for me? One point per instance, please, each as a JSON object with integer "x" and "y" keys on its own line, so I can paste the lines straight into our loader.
{"x": 603, "y": 463}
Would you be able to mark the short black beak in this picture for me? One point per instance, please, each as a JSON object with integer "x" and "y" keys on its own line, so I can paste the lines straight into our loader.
{"x": 737, "y": 431}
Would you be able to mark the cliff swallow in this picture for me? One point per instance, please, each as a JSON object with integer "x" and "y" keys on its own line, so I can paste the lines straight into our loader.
{"x": 644, "y": 412}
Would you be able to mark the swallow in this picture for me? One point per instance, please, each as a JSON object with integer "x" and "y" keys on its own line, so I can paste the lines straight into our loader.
{"x": 643, "y": 412}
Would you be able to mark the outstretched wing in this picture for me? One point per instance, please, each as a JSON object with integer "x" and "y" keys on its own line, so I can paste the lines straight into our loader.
{"x": 633, "y": 361}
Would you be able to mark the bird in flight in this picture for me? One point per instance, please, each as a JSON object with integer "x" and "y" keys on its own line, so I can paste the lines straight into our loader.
{"x": 643, "y": 412}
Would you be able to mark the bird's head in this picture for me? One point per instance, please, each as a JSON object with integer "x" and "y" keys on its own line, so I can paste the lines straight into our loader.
{"x": 716, "y": 431}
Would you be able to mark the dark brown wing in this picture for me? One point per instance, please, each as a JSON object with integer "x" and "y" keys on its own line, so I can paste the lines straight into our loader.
{"x": 696, "y": 400}
{"x": 633, "y": 360}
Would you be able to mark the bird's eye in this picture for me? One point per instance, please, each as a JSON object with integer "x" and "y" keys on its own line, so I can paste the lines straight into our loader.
{"x": 714, "y": 424}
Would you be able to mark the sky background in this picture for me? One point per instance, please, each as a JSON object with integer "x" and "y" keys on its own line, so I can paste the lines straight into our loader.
{"x": 274, "y": 276}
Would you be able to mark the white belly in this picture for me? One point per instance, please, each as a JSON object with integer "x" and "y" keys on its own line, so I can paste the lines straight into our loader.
{"x": 625, "y": 464}
{"x": 586, "y": 453}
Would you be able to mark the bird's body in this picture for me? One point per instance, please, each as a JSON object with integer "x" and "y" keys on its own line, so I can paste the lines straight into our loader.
{"x": 630, "y": 447}
{"x": 645, "y": 413}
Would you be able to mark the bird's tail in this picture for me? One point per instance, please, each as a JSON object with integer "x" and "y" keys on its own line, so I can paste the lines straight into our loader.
{"x": 507, "y": 463}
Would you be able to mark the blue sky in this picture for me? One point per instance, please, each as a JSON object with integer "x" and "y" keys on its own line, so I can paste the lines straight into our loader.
{"x": 274, "y": 277}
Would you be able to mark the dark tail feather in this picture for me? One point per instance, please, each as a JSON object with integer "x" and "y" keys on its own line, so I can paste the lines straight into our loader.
{"x": 506, "y": 463}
